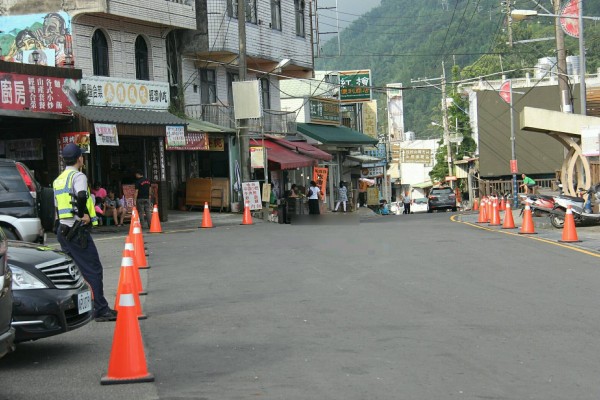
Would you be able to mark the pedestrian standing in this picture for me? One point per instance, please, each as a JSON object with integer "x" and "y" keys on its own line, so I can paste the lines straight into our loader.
{"x": 406, "y": 200}
{"x": 313, "y": 198}
{"x": 342, "y": 196}
{"x": 76, "y": 216}
{"x": 141, "y": 198}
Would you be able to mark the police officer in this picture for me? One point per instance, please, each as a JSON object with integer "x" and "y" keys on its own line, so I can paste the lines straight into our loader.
{"x": 76, "y": 213}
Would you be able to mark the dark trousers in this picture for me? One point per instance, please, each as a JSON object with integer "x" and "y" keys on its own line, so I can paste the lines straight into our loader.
{"x": 362, "y": 199}
{"x": 145, "y": 212}
{"x": 313, "y": 206}
{"x": 406, "y": 208}
{"x": 90, "y": 266}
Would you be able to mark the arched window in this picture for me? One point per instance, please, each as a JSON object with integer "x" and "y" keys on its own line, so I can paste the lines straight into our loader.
{"x": 142, "y": 72}
{"x": 100, "y": 53}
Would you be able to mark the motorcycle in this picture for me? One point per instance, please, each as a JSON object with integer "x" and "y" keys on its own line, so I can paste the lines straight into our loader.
{"x": 582, "y": 210}
{"x": 541, "y": 205}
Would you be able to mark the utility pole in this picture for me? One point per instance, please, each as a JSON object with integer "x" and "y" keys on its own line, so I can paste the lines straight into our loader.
{"x": 561, "y": 58}
{"x": 243, "y": 138}
{"x": 508, "y": 20}
{"x": 445, "y": 122}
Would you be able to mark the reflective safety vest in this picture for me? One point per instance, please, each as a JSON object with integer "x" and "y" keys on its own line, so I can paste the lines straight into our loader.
{"x": 63, "y": 193}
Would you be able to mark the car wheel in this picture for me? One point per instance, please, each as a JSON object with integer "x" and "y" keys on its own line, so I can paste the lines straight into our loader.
{"x": 10, "y": 233}
{"x": 47, "y": 209}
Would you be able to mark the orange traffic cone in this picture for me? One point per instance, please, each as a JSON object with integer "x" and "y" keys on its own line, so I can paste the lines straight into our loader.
{"x": 527, "y": 227}
{"x": 138, "y": 245}
{"x": 569, "y": 234}
{"x": 206, "y": 220}
{"x": 502, "y": 204}
{"x": 475, "y": 205}
{"x": 155, "y": 221}
{"x": 127, "y": 277}
{"x": 509, "y": 221}
{"x": 136, "y": 275}
{"x": 247, "y": 218}
{"x": 127, "y": 363}
{"x": 495, "y": 218}
{"x": 482, "y": 217}
{"x": 488, "y": 211}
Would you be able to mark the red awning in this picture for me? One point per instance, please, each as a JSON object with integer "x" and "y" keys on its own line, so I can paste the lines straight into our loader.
{"x": 287, "y": 159}
{"x": 303, "y": 148}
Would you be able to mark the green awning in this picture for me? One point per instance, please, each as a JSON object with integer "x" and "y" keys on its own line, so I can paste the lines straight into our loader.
{"x": 340, "y": 135}
{"x": 196, "y": 125}
{"x": 423, "y": 185}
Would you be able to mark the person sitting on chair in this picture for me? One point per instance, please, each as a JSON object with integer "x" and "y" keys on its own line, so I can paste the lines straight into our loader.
{"x": 113, "y": 208}
{"x": 528, "y": 184}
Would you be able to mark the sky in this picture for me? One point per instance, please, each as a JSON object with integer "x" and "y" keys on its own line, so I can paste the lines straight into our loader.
{"x": 347, "y": 7}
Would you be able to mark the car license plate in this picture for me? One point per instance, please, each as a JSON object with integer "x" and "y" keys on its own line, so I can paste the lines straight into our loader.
{"x": 84, "y": 302}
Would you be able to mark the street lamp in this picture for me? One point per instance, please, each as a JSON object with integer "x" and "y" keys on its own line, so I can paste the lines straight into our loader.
{"x": 519, "y": 15}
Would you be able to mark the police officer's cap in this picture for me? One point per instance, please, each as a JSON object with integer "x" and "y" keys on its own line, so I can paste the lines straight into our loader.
{"x": 71, "y": 151}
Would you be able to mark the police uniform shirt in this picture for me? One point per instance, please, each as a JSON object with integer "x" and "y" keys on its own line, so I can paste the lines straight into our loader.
{"x": 80, "y": 183}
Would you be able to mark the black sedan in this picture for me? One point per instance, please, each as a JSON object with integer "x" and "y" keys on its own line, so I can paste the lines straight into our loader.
{"x": 441, "y": 198}
{"x": 7, "y": 333}
{"x": 50, "y": 294}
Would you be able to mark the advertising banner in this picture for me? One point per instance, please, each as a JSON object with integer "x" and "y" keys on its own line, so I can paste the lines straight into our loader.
{"x": 193, "y": 141}
{"x": 320, "y": 177}
{"x": 121, "y": 92}
{"x": 175, "y": 136}
{"x": 257, "y": 157}
{"x": 355, "y": 86}
{"x": 25, "y": 149}
{"x": 252, "y": 195}
{"x": 106, "y": 134}
{"x": 395, "y": 106}
{"x": 369, "y": 114}
{"x": 36, "y": 93}
{"x": 81, "y": 139}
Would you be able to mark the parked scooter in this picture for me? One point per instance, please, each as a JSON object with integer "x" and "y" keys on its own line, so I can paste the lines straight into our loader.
{"x": 541, "y": 205}
{"x": 582, "y": 209}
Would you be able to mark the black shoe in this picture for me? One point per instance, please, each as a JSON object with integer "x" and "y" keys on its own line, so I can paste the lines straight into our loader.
{"x": 110, "y": 315}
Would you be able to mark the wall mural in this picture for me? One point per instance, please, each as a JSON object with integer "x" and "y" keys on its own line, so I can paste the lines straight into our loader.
{"x": 43, "y": 39}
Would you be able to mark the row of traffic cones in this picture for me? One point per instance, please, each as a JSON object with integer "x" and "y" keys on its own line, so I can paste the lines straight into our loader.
{"x": 489, "y": 212}
{"x": 127, "y": 363}
{"x": 207, "y": 220}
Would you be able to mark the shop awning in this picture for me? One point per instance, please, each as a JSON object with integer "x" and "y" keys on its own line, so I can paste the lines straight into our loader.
{"x": 34, "y": 115}
{"x": 286, "y": 159}
{"x": 196, "y": 125}
{"x": 337, "y": 135}
{"x": 127, "y": 116}
{"x": 364, "y": 158}
{"x": 423, "y": 185}
{"x": 303, "y": 148}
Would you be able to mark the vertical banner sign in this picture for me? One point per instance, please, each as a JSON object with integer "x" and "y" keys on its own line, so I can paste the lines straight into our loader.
{"x": 369, "y": 114}
{"x": 252, "y": 196}
{"x": 257, "y": 157}
{"x": 106, "y": 134}
{"x": 161, "y": 158}
{"x": 320, "y": 177}
{"x": 514, "y": 168}
{"x": 395, "y": 108}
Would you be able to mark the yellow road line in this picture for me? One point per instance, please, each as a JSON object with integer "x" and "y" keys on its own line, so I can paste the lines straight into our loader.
{"x": 548, "y": 241}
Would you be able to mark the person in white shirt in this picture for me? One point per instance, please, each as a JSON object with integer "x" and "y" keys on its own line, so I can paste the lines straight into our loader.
{"x": 313, "y": 195}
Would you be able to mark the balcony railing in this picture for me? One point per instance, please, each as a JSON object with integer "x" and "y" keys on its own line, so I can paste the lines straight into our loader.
{"x": 273, "y": 121}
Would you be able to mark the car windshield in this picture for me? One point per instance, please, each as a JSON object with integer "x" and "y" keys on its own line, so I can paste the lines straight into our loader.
{"x": 441, "y": 191}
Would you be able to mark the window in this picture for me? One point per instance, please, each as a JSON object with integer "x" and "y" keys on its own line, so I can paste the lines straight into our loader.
{"x": 208, "y": 86}
{"x": 265, "y": 93}
{"x": 276, "y": 14}
{"x": 172, "y": 60}
{"x": 142, "y": 71}
{"x": 100, "y": 54}
{"x": 251, "y": 13}
{"x": 231, "y": 77}
{"x": 299, "y": 9}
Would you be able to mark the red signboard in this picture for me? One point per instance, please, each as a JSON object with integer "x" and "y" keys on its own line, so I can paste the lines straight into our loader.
{"x": 81, "y": 139}
{"x": 34, "y": 93}
{"x": 505, "y": 91}
{"x": 513, "y": 167}
{"x": 569, "y": 19}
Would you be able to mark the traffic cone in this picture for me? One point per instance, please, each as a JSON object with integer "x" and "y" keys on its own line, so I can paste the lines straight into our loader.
{"x": 126, "y": 276}
{"x": 527, "y": 227}
{"x": 482, "y": 217}
{"x": 495, "y": 218}
{"x": 247, "y": 218}
{"x": 134, "y": 217}
{"x": 127, "y": 363}
{"x": 509, "y": 221}
{"x": 136, "y": 276}
{"x": 138, "y": 246}
{"x": 569, "y": 233}
{"x": 476, "y": 205}
{"x": 502, "y": 204}
{"x": 206, "y": 220}
{"x": 155, "y": 221}
{"x": 488, "y": 211}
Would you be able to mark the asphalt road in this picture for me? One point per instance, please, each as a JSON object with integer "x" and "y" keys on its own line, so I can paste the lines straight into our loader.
{"x": 398, "y": 307}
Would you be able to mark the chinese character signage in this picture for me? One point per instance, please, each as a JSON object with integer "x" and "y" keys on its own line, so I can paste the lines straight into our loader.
{"x": 369, "y": 114}
{"x": 252, "y": 196}
{"x": 81, "y": 139}
{"x": 355, "y": 85}
{"x": 323, "y": 111}
{"x": 257, "y": 157}
{"x": 35, "y": 93}
{"x": 25, "y": 149}
{"x": 118, "y": 92}
{"x": 216, "y": 143}
{"x": 371, "y": 172}
{"x": 42, "y": 39}
{"x": 320, "y": 177}
{"x": 193, "y": 141}
{"x": 106, "y": 134}
{"x": 175, "y": 136}
{"x": 416, "y": 156}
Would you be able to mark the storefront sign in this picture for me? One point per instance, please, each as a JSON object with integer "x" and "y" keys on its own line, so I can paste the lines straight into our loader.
{"x": 129, "y": 93}
{"x": 257, "y": 157}
{"x": 216, "y": 143}
{"x": 371, "y": 172}
{"x": 106, "y": 134}
{"x": 325, "y": 112}
{"x": 320, "y": 177}
{"x": 416, "y": 156}
{"x": 251, "y": 191}
{"x": 175, "y": 136}
{"x": 369, "y": 114}
{"x": 355, "y": 85}
{"x": 193, "y": 141}
{"x": 81, "y": 139}
{"x": 163, "y": 164}
{"x": 24, "y": 149}
{"x": 35, "y": 93}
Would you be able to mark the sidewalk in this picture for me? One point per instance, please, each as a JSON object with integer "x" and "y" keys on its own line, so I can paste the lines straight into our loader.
{"x": 589, "y": 235}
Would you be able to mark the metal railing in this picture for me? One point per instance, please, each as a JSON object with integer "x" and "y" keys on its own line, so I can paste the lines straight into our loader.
{"x": 273, "y": 121}
{"x": 488, "y": 187}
